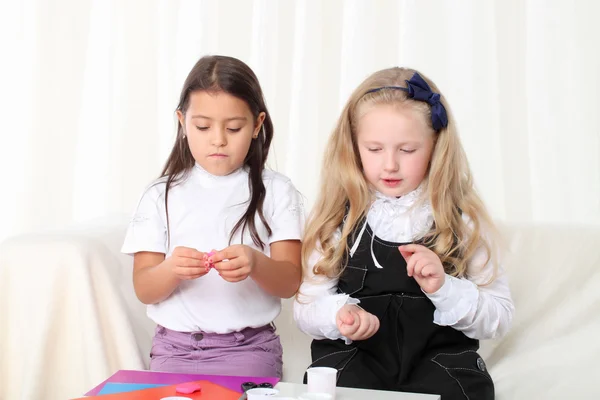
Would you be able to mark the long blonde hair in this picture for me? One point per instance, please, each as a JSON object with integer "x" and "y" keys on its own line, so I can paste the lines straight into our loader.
{"x": 449, "y": 186}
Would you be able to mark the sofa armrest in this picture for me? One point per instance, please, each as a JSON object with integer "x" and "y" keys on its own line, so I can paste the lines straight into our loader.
{"x": 69, "y": 313}
{"x": 552, "y": 349}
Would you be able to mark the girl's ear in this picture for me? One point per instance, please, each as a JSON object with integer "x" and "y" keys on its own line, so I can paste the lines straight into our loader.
{"x": 258, "y": 125}
{"x": 181, "y": 119}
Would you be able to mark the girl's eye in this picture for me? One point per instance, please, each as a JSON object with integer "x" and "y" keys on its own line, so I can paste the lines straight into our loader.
{"x": 202, "y": 128}
{"x": 373, "y": 150}
{"x": 234, "y": 130}
{"x": 407, "y": 151}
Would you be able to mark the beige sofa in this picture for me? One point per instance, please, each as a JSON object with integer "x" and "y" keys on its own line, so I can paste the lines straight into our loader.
{"x": 69, "y": 318}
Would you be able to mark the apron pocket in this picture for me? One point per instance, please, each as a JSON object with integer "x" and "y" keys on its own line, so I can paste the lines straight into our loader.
{"x": 469, "y": 371}
{"x": 353, "y": 279}
{"x": 337, "y": 359}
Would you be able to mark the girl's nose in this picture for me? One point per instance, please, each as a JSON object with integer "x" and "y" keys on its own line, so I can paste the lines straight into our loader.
{"x": 391, "y": 164}
{"x": 219, "y": 138}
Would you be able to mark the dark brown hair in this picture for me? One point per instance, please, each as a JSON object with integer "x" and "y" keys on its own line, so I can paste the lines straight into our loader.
{"x": 231, "y": 76}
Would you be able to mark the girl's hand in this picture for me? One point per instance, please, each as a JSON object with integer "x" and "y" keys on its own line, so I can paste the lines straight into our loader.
{"x": 187, "y": 263}
{"x": 234, "y": 263}
{"x": 355, "y": 323}
{"x": 425, "y": 266}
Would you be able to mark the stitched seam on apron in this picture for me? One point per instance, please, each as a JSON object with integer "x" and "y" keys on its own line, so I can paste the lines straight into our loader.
{"x": 397, "y": 295}
{"x": 339, "y": 375}
{"x": 454, "y": 354}
{"x": 472, "y": 370}
{"x": 397, "y": 332}
{"x": 375, "y": 295}
{"x": 358, "y": 268}
{"x": 331, "y": 354}
{"x": 350, "y": 359}
{"x": 450, "y": 375}
{"x": 459, "y": 368}
{"x": 362, "y": 284}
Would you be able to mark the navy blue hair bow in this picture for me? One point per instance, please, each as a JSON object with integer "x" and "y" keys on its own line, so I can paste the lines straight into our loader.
{"x": 419, "y": 90}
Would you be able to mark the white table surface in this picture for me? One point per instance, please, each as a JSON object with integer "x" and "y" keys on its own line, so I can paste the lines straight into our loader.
{"x": 342, "y": 393}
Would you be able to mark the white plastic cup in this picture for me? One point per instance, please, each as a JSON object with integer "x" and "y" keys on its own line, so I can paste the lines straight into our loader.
{"x": 175, "y": 398}
{"x": 315, "y": 396}
{"x": 322, "y": 380}
{"x": 261, "y": 393}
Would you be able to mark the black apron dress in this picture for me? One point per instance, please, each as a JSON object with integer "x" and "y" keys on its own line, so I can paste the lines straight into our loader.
{"x": 409, "y": 353}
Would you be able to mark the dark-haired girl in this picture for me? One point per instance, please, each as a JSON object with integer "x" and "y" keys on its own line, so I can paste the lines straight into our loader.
{"x": 216, "y": 239}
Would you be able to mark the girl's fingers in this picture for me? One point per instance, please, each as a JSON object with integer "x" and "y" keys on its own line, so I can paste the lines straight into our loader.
{"x": 190, "y": 271}
{"x": 405, "y": 254}
{"x": 412, "y": 264}
{"x": 225, "y": 254}
{"x": 363, "y": 328}
{"x": 231, "y": 265}
{"x": 190, "y": 277}
{"x": 374, "y": 325}
{"x": 187, "y": 252}
{"x": 349, "y": 330}
{"x": 421, "y": 262}
{"x": 429, "y": 270}
{"x": 189, "y": 262}
{"x": 413, "y": 248}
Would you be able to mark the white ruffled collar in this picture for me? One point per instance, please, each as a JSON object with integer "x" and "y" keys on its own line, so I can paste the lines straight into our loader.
{"x": 402, "y": 202}
{"x": 401, "y": 219}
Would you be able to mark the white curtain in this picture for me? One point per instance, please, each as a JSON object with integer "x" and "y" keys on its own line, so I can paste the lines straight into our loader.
{"x": 88, "y": 90}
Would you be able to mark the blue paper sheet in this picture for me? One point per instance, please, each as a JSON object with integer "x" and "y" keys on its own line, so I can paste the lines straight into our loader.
{"x": 110, "y": 387}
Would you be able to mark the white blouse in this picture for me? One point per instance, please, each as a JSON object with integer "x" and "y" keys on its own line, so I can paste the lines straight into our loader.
{"x": 481, "y": 312}
{"x": 203, "y": 209}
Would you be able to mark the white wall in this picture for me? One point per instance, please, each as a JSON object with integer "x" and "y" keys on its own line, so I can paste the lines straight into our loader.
{"x": 88, "y": 90}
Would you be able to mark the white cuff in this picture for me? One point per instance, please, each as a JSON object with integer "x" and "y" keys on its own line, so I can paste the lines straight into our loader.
{"x": 454, "y": 300}
{"x": 333, "y": 304}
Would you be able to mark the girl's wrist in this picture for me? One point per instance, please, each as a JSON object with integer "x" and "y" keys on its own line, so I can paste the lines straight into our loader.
{"x": 254, "y": 256}
{"x": 167, "y": 269}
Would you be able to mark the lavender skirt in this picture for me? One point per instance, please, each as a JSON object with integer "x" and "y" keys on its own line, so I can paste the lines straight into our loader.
{"x": 250, "y": 352}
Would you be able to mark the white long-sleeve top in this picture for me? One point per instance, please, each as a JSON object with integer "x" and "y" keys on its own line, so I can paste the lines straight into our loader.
{"x": 481, "y": 312}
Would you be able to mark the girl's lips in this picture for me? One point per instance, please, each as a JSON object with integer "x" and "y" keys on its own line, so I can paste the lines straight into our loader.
{"x": 391, "y": 182}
